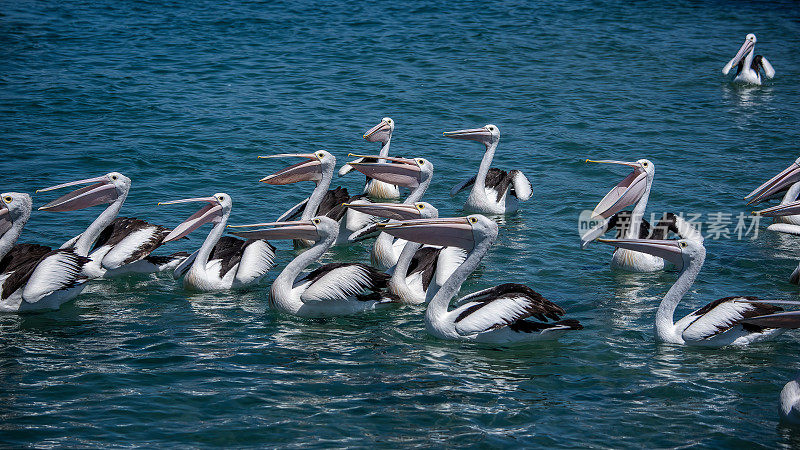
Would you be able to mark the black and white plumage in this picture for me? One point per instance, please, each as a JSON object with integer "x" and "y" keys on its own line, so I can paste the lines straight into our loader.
{"x": 790, "y": 402}
{"x": 510, "y": 305}
{"x": 381, "y": 133}
{"x": 115, "y": 245}
{"x": 319, "y": 167}
{"x": 748, "y": 64}
{"x": 494, "y": 191}
{"x": 506, "y": 314}
{"x": 221, "y": 262}
{"x": 33, "y": 277}
{"x": 334, "y": 289}
{"x": 727, "y": 321}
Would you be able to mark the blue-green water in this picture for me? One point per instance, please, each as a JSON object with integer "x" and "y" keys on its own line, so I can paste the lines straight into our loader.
{"x": 183, "y": 96}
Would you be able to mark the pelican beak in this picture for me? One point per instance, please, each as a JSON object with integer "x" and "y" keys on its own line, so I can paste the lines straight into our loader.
{"x": 101, "y": 192}
{"x": 5, "y": 219}
{"x": 448, "y": 232}
{"x": 743, "y": 50}
{"x": 310, "y": 170}
{"x": 625, "y": 193}
{"x": 776, "y": 184}
{"x": 398, "y": 171}
{"x": 208, "y": 213}
{"x": 301, "y": 229}
{"x": 669, "y": 250}
{"x": 788, "y": 209}
{"x": 381, "y": 132}
{"x": 396, "y": 211}
{"x": 471, "y": 134}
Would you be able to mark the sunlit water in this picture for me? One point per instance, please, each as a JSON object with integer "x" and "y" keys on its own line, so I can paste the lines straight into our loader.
{"x": 182, "y": 98}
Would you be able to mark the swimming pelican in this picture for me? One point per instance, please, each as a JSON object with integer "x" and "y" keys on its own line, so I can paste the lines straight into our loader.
{"x": 791, "y": 209}
{"x": 318, "y": 168}
{"x": 497, "y": 315}
{"x": 414, "y": 174}
{"x": 494, "y": 191}
{"x": 727, "y": 321}
{"x": 33, "y": 277}
{"x": 382, "y": 133}
{"x": 115, "y": 245}
{"x": 790, "y": 402}
{"x": 419, "y": 271}
{"x": 634, "y": 189}
{"x": 788, "y": 179}
{"x": 333, "y": 289}
{"x": 747, "y": 65}
{"x": 222, "y": 262}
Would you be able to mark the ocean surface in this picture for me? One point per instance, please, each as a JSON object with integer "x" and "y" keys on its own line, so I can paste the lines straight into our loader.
{"x": 183, "y": 96}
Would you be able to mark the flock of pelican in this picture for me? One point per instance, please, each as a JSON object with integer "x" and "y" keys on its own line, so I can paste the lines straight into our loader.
{"x": 417, "y": 258}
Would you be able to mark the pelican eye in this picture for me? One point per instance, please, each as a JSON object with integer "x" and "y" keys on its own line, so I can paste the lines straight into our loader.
{"x": 8, "y": 199}
{"x": 113, "y": 177}
{"x": 220, "y": 198}
{"x": 683, "y": 244}
{"x": 644, "y": 164}
{"x": 473, "y": 220}
{"x": 421, "y": 206}
{"x": 316, "y": 221}
{"x": 320, "y": 155}
{"x": 421, "y": 162}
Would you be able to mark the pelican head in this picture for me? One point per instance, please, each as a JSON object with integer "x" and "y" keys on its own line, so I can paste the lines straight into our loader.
{"x": 15, "y": 207}
{"x": 396, "y": 211}
{"x": 628, "y": 191}
{"x": 218, "y": 206}
{"x": 314, "y": 229}
{"x": 679, "y": 252}
{"x": 776, "y": 184}
{"x": 463, "y": 232}
{"x": 747, "y": 47}
{"x": 104, "y": 189}
{"x": 487, "y": 135}
{"x": 312, "y": 169}
{"x": 381, "y": 132}
{"x": 406, "y": 172}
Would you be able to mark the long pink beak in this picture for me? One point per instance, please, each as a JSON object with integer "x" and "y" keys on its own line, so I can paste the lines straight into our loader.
{"x": 669, "y": 250}
{"x": 101, "y": 192}
{"x": 396, "y": 211}
{"x": 5, "y": 219}
{"x": 447, "y": 232}
{"x": 779, "y": 182}
{"x": 310, "y": 170}
{"x": 301, "y": 229}
{"x": 208, "y": 213}
{"x": 379, "y": 133}
{"x": 625, "y": 193}
{"x": 400, "y": 171}
{"x": 471, "y": 134}
{"x": 743, "y": 50}
{"x": 788, "y": 209}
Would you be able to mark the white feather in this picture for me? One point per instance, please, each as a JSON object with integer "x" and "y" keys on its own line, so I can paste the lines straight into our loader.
{"x": 53, "y": 273}
{"x": 129, "y": 245}
{"x": 522, "y": 186}
{"x": 338, "y": 284}
{"x": 502, "y": 311}
{"x": 257, "y": 259}
{"x": 450, "y": 258}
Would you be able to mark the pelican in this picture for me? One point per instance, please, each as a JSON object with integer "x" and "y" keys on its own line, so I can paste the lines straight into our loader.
{"x": 494, "y": 191}
{"x": 222, "y": 262}
{"x": 414, "y": 174}
{"x": 382, "y": 133}
{"x": 727, "y": 321}
{"x": 318, "y": 167}
{"x": 790, "y": 402}
{"x": 748, "y": 64}
{"x": 497, "y": 315}
{"x": 334, "y": 289}
{"x": 33, "y": 277}
{"x": 634, "y": 189}
{"x": 791, "y": 209}
{"x": 419, "y": 271}
{"x": 115, "y": 245}
{"x": 788, "y": 179}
